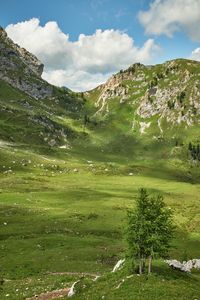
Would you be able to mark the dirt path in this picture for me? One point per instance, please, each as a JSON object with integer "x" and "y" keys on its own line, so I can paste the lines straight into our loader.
{"x": 51, "y": 295}
{"x": 60, "y": 293}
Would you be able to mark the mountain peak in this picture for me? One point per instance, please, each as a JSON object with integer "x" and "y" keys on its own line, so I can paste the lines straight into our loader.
{"x": 20, "y": 68}
{"x": 9, "y": 49}
{"x": 168, "y": 91}
{"x": 3, "y": 33}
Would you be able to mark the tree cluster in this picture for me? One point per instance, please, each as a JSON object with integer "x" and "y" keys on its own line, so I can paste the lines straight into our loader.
{"x": 86, "y": 120}
{"x": 194, "y": 151}
{"x": 170, "y": 104}
{"x": 149, "y": 231}
{"x": 153, "y": 82}
{"x": 160, "y": 75}
{"x": 181, "y": 96}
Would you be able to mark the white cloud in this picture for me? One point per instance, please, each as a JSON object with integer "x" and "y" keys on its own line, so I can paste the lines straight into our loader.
{"x": 195, "y": 54}
{"x": 169, "y": 16}
{"x": 48, "y": 43}
{"x": 82, "y": 64}
{"x": 77, "y": 81}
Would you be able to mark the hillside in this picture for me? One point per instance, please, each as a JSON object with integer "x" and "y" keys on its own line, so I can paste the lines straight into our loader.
{"x": 154, "y": 96}
{"x": 169, "y": 91}
{"x": 21, "y": 69}
{"x": 143, "y": 113}
{"x": 33, "y": 113}
{"x": 72, "y": 163}
{"x": 150, "y": 113}
{"x": 163, "y": 284}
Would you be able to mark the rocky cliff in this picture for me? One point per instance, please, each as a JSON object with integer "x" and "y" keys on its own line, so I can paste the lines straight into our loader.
{"x": 21, "y": 69}
{"x": 169, "y": 91}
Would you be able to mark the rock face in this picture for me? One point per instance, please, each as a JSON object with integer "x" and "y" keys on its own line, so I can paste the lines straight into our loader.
{"x": 167, "y": 92}
{"x": 177, "y": 101}
{"x": 116, "y": 87}
{"x": 21, "y": 69}
{"x": 9, "y": 49}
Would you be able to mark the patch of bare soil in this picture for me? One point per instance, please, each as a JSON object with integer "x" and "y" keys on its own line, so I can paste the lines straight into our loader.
{"x": 51, "y": 295}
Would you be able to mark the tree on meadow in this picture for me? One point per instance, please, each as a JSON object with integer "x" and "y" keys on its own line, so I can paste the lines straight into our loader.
{"x": 149, "y": 231}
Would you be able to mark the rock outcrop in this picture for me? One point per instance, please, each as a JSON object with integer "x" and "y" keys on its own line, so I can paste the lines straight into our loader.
{"x": 177, "y": 101}
{"x": 185, "y": 266}
{"x": 169, "y": 92}
{"x": 116, "y": 86}
{"x": 118, "y": 265}
{"x": 22, "y": 69}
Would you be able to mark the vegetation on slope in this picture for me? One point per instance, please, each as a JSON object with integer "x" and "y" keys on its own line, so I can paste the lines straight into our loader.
{"x": 65, "y": 170}
{"x": 163, "y": 284}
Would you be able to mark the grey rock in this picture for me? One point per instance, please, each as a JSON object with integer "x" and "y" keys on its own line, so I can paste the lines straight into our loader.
{"x": 21, "y": 69}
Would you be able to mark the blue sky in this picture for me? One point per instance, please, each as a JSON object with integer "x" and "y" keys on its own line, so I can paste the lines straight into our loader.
{"x": 75, "y": 17}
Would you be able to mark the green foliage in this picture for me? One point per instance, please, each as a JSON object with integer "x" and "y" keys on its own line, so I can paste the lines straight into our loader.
{"x": 181, "y": 96}
{"x": 160, "y": 75}
{"x": 86, "y": 120}
{"x": 194, "y": 151}
{"x": 63, "y": 223}
{"x": 51, "y": 216}
{"x": 170, "y": 104}
{"x": 150, "y": 229}
{"x": 153, "y": 83}
{"x": 166, "y": 284}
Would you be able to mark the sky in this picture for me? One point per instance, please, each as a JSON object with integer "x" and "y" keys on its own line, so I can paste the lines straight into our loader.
{"x": 83, "y": 42}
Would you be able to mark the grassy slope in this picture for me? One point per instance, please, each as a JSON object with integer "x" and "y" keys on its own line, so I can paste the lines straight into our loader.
{"x": 54, "y": 223}
{"x": 54, "y": 202}
{"x": 154, "y": 153}
{"x": 163, "y": 284}
{"x": 28, "y": 121}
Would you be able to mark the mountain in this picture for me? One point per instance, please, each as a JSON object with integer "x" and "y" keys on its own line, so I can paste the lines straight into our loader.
{"x": 140, "y": 115}
{"x": 152, "y": 111}
{"x": 21, "y": 69}
{"x": 71, "y": 165}
{"x": 169, "y": 91}
{"x": 32, "y": 111}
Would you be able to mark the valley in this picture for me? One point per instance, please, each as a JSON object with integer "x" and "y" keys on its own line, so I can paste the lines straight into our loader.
{"x": 71, "y": 165}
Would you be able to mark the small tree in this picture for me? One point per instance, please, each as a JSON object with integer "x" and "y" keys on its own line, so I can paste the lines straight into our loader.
{"x": 86, "y": 120}
{"x": 190, "y": 146}
{"x": 150, "y": 229}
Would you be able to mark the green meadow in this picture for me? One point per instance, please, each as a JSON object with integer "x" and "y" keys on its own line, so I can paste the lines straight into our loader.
{"x": 66, "y": 185}
{"x": 69, "y": 216}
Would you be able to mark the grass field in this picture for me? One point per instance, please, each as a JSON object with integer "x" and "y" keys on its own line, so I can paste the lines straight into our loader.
{"x": 163, "y": 284}
{"x": 65, "y": 217}
{"x": 66, "y": 185}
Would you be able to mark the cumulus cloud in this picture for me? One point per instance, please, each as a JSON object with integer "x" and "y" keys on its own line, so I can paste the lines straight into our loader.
{"x": 48, "y": 43}
{"x": 195, "y": 54}
{"x": 82, "y": 64}
{"x": 76, "y": 81}
{"x": 169, "y": 16}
